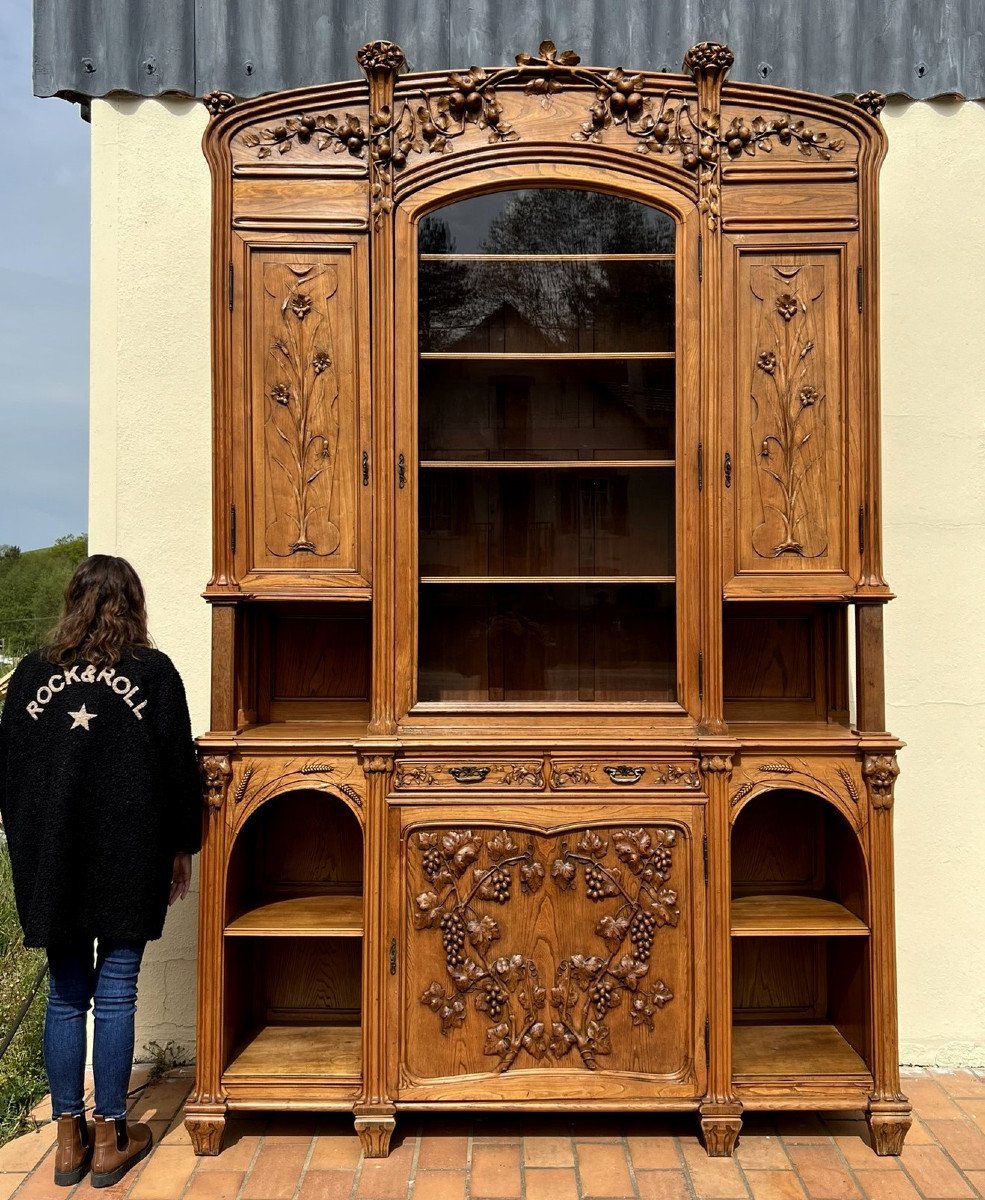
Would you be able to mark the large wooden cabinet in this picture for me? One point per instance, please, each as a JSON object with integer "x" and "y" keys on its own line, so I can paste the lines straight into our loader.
{"x": 546, "y": 517}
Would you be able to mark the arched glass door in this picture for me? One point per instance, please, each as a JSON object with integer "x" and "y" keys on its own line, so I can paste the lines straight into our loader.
{"x": 547, "y": 451}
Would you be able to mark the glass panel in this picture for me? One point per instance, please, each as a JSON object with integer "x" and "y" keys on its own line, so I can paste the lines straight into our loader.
{"x": 547, "y": 643}
{"x": 509, "y": 521}
{"x": 546, "y": 307}
{"x": 547, "y": 221}
{"x": 547, "y": 474}
{"x": 530, "y": 411}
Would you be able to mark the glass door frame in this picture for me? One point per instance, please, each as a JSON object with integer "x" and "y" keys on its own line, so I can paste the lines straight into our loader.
{"x": 559, "y": 715}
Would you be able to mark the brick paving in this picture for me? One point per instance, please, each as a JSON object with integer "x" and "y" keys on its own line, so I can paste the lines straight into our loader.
{"x": 591, "y": 1157}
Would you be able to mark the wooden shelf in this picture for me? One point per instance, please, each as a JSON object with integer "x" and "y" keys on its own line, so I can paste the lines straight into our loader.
{"x": 543, "y": 464}
{"x": 783, "y": 1051}
{"x": 302, "y": 916}
{"x": 572, "y": 579}
{"x": 793, "y": 916}
{"x": 545, "y": 356}
{"x": 300, "y": 1051}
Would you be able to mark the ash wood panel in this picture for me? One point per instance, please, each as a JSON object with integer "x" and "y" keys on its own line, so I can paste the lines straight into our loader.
{"x": 793, "y": 916}
{"x": 792, "y": 1050}
{"x": 302, "y": 916}
{"x": 299, "y": 1052}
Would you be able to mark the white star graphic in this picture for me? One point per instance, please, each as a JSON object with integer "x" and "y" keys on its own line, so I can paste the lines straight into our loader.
{"x": 81, "y": 718}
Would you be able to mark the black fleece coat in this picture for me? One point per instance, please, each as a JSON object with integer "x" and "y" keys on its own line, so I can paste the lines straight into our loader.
{"x": 99, "y": 789}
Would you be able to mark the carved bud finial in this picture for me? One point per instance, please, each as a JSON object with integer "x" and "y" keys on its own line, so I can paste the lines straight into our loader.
{"x": 708, "y": 56}
{"x": 871, "y": 102}
{"x": 216, "y": 772}
{"x": 381, "y": 56}
{"x": 218, "y": 102}
{"x": 879, "y": 772}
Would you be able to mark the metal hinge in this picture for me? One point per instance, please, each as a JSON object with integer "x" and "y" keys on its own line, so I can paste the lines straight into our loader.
{"x": 858, "y": 289}
{"x": 728, "y": 469}
{"x": 701, "y": 257}
{"x": 707, "y": 1038}
{"x": 401, "y": 471}
{"x": 393, "y": 956}
{"x": 231, "y": 286}
{"x": 701, "y": 466}
{"x": 704, "y": 854}
{"x": 232, "y": 528}
{"x": 861, "y": 529}
{"x": 701, "y": 676}
{"x": 365, "y": 468}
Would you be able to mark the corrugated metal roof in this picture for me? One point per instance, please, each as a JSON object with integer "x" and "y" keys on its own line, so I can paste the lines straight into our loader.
{"x": 916, "y": 48}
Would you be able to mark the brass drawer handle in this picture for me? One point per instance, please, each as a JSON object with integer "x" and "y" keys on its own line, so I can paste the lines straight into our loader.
{"x": 624, "y": 774}
{"x": 468, "y": 774}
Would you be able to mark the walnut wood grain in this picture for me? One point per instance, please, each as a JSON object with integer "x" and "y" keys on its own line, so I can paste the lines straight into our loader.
{"x": 793, "y": 916}
{"x": 785, "y": 1051}
{"x": 299, "y": 1052}
{"x": 302, "y": 916}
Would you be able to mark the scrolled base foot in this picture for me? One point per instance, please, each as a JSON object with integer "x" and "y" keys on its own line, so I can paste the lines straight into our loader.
{"x": 720, "y": 1130}
{"x": 374, "y": 1134}
{"x": 888, "y": 1125}
{"x": 205, "y": 1131}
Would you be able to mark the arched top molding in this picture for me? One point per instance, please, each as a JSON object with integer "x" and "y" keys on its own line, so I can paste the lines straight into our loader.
{"x": 398, "y": 126}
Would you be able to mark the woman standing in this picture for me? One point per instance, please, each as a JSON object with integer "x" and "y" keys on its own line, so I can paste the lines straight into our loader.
{"x": 101, "y": 805}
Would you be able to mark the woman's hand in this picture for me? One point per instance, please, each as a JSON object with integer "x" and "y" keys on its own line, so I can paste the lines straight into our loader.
{"x": 181, "y": 877}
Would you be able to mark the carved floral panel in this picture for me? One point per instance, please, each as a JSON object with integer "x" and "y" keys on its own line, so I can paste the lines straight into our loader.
{"x": 305, "y": 412}
{"x": 568, "y": 951}
{"x": 790, "y": 485}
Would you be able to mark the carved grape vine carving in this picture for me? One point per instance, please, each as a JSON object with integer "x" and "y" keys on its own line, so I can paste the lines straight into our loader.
{"x": 629, "y": 869}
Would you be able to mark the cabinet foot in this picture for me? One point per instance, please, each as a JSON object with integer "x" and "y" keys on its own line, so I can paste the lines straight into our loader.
{"x": 720, "y": 1130}
{"x": 374, "y": 1133}
{"x": 888, "y": 1123}
{"x": 205, "y": 1130}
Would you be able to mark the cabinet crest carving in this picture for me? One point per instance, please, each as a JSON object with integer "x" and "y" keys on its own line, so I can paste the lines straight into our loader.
{"x": 469, "y": 872}
{"x": 834, "y": 781}
{"x": 789, "y": 413}
{"x": 261, "y": 779}
{"x": 302, "y": 411}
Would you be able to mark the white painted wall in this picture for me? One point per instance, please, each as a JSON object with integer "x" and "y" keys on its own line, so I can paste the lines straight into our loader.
{"x": 150, "y": 500}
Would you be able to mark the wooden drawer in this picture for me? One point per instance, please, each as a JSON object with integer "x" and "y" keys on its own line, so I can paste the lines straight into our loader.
{"x": 633, "y": 772}
{"x": 481, "y": 775}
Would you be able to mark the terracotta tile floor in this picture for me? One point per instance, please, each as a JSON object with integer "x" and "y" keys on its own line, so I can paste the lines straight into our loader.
{"x": 787, "y": 1157}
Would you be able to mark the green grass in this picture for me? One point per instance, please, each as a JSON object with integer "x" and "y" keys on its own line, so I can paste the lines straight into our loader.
{"x": 22, "y": 1079}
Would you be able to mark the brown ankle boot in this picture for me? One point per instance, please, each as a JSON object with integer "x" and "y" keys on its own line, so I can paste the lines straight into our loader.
{"x": 119, "y": 1146}
{"x": 73, "y": 1152}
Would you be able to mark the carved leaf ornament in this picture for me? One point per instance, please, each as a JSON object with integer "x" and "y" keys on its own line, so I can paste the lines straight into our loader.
{"x": 302, "y": 418}
{"x": 431, "y": 121}
{"x": 470, "y": 876}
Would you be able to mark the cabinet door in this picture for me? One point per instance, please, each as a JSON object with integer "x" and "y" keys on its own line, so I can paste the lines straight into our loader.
{"x": 542, "y": 961}
{"x": 791, "y": 399}
{"x": 304, "y": 492}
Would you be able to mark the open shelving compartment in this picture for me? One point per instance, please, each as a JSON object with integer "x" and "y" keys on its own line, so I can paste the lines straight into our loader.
{"x": 293, "y": 947}
{"x": 800, "y": 947}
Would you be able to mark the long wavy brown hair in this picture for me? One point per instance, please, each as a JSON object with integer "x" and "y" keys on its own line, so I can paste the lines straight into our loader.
{"x": 103, "y": 614}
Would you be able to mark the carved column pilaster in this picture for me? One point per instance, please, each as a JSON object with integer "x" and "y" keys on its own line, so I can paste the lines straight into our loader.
{"x": 381, "y": 61}
{"x": 708, "y": 64}
{"x": 374, "y": 1112}
{"x": 205, "y": 1112}
{"x": 888, "y": 1113}
{"x": 721, "y": 1113}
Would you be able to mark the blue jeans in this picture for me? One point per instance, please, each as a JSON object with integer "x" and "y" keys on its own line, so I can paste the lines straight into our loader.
{"x": 111, "y": 987}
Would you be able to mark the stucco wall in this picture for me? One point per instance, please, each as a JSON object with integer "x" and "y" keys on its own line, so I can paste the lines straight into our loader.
{"x": 149, "y": 500}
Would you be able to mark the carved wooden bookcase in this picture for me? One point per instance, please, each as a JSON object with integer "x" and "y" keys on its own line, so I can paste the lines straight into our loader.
{"x": 546, "y": 490}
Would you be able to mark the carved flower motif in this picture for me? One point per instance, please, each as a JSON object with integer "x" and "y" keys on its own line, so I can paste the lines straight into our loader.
{"x": 218, "y": 102}
{"x": 380, "y": 55}
{"x": 871, "y": 102}
{"x": 809, "y": 396}
{"x": 787, "y": 306}
{"x": 300, "y": 305}
{"x": 280, "y": 393}
{"x": 767, "y": 362}
{"x": 708, "y": 54}
{"x": 321, "y": 362}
